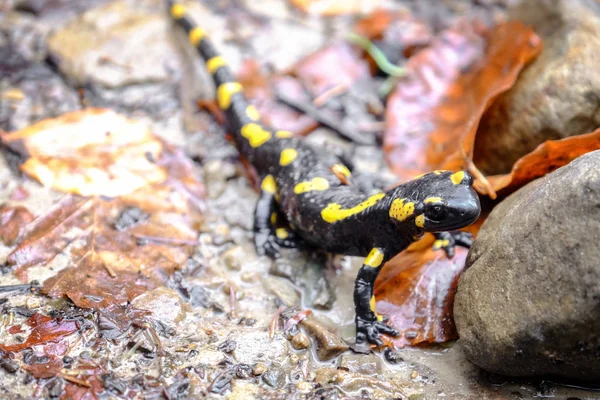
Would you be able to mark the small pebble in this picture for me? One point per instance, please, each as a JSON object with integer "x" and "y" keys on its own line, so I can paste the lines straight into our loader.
{"x": 274, "y": 377}
{"x": 294, "y": 359}
{"x": 300, "y": 341}
{"x": 9, "y": 365}
{"x": 259, "y": 369}
{"x": 304, "y": 386}
{"x": 414, "y": 374}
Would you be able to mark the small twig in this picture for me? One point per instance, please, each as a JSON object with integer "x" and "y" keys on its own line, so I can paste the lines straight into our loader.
{"x": 164, "y": 240}
{"x": 77, "y": 381}
{"x": 482, "y": 179}
{"x": 232, "y": 301}
{"x": 20, "y": 288}
{"x": 329, "y": 94}
{"x": 340, "y": 127}
{"x": 274, "y": 322}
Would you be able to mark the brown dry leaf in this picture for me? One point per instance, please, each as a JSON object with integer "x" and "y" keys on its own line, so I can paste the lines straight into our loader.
{"x": 107, "y": 251}
{"x": 89, "y": 152}
{"x": 546, "y": 158}
{"x": 432, "y": 116}
{"x": 44, "y": 330}
{"x": 13, "y": 219}
{"x": 335, "y": 7}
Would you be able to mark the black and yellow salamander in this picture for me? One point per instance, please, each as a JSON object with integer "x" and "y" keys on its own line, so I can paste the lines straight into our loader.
{"x": 312, "y": 189}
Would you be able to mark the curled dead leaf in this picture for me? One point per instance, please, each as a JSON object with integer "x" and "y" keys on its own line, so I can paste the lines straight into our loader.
{"x": 432, "y": 116}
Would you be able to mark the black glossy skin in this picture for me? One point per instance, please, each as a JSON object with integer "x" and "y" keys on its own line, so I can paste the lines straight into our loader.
{"x": 372, "y": 230}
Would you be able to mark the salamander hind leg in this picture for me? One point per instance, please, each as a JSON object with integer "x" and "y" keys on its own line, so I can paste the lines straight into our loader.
{"x": 271, "y": 231}
{"x": 368, "y": 325}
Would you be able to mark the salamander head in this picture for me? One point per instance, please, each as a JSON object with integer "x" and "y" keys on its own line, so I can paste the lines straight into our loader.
{"x": 435, "y": 202}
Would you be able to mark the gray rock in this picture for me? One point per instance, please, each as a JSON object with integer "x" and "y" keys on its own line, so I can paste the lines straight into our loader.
{"x": 274, "y": 377}
{"x": 529, "y": 302}
{"x": 557, "y": 95}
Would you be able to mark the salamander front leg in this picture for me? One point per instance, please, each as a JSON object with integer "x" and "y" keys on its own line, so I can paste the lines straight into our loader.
{"x": 368, "y": 325}
{"x": 447, "y": 241}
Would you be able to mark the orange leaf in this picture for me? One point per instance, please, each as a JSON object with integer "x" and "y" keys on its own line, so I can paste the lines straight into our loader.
{"x": 432, "y": 116}
{"x": 44, "y": 329}
{"x": 546, "y": 158}
{"x": 416, "y": 291}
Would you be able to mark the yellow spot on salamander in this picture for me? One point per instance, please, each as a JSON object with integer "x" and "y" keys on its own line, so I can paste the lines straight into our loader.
{"x": 196, "y": 35}
{"x": 341, "y": 169}
{"x": 316, "y": 184}
{"x": 215, "y": 63}
{"x": 225, "y": 91}
{"x": 177, "y": 11}
{"x": 334, "y": 212}
{"x": 268, "y": 184}
{"x": 252, "y": 113}
{"x": 420, "y": 221}
{"x": 287, "y": 157}
{"x": 284, "y": 134}
{"x": 401, "y": 209}
{"x": 273, "y": 218}
{"x": 256, "y": 134}
{"x": 374, "y": 259}
{"x": 438, "y": 244}
{"x": 433, "y": 200}
{"x": 281, "y": 233}
{"x": 457, "y": 177}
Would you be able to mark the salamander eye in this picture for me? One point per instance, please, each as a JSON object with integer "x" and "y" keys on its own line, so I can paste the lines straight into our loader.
{"x": 436, "y": 212}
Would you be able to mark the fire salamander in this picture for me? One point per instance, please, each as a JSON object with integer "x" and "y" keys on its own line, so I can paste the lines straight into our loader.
{"x": 312, "y": 191}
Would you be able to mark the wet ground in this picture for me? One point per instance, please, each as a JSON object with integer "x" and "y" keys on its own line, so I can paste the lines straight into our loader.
{"x": 212, "y": 332}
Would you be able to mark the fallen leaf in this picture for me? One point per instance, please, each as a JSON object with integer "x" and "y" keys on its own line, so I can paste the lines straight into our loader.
{"x": 335, "y": 7}
{"x": 86, "y": 385}
{"x": 335, "y": 65}
{"x": 416, "y": 291}
{"x": 433, "y": 114}
{"x": 101, "y": 251}
{"x": 13, "y": 219}
{"x": 89, "y": 152}
{"x": 546, "y": 158}
{"x": 46, "y": 370}
{"x": 44, "y": 329}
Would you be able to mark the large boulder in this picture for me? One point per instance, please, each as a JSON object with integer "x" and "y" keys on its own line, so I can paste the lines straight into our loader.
{"x": 557, "y": 96}
{"x": 529, "y": 302}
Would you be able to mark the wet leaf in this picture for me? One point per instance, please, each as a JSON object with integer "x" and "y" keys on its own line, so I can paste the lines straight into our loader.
{"x": 45, "y": 370}
{"x": 90, "y": 152}
{"x": 546, "y": 158}
{"x": 416, "y": 291}
{"x": 335, "y": 7}
{"x": 44, "y": 329}
{"x": 432, "y": 116}
{"x": 12, "y": 220}
{"x": 102, "y": 251}
{"x": 86, "y": 385}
